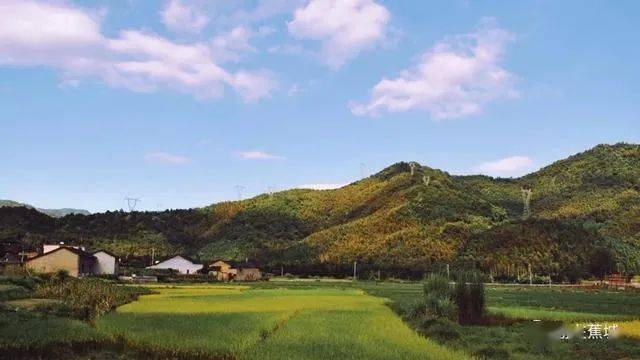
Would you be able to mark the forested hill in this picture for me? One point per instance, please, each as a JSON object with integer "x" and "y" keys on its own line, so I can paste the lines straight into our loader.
{"x": 583, "y": 219}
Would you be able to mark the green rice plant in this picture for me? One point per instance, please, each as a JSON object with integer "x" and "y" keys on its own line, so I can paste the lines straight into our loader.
{"x": 23, "y": 332}
{"x": 237, "y": 321}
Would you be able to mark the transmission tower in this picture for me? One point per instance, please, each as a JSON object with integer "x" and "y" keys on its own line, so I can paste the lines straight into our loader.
{"x": 413, "y": 165}
{"x": 526, "y": 200}
{"x": 271, "y": 190}
{"x": 132, "y": 203}
{"x": 240, "y": 189}
{"x": 363, "y": 170}
{"x": 426, "y": 180}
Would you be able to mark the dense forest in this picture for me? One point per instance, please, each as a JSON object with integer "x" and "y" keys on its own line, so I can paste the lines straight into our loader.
{"x": 576, "y": 218}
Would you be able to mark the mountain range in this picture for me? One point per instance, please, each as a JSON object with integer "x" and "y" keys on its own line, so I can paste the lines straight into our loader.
{"x": 50, "y": 212}
{"x": 578, "y": 217}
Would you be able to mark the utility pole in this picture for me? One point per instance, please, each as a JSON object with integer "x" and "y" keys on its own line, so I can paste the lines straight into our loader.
{"x": 447, "y": 271}
{"x": 355, "y": 270}
{"x": 153, "y": 256}
{"x": 526, "y": 200}
{"x": 530, "y": 275}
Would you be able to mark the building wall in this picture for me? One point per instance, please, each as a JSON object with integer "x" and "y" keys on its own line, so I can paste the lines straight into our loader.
{"x": 182, "y": 265}
{"x": 105, "y": 264}
{"x": 59, "y": 260}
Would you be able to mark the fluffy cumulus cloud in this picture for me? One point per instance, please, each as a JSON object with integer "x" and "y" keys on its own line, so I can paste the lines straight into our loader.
{"x": 345, "y": 27}
{"x": 183, "y": 17}
{"x": 259, "y": 155}
{"x": 36, "y": 33}
{"x": 166, "y": 158}
{"x": 509, "y": 166}
{"x": 455, "y": 78}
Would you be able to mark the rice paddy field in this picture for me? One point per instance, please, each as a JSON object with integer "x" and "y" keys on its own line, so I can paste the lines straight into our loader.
{"x": 251, "y": 323}
{"x": 323, "y": 320}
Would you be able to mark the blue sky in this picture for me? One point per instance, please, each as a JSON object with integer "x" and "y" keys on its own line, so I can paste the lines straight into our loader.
{"x": 180, "y": 102}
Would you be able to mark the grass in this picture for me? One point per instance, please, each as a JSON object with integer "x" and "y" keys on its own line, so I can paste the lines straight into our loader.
{"x": 242, "y": 322}
{"x": 319, "y": 320}
{"x": 24, "y": 332}
{"x": 10, "y": 292}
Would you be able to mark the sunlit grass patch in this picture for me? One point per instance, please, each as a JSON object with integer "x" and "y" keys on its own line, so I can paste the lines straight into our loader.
{"x": 268, "y": 323}
{"x": 531, "y": 313}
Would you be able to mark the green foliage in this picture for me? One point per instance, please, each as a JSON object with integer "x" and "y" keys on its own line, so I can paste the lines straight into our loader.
{"x": 394, "y": 221}
{"x": 438, "y": 296}
{"x": 470, "y": 298}
{"x": 88, "y": 298}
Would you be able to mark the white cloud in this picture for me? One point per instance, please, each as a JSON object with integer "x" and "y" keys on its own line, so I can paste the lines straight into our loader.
{"x": 166, "y": 158}
{"x": 321, "y": 186}
{"x": 456, "y": 78}
{"x": 509, "y": 166}
{"x": 345, "y": 27}
{"x": 34, "y": 33}
{"x": 180, "y": 17}
{"x": 264, "y": 9}
{"x": 259, "y": 155}
{"x": 231, "y": 46}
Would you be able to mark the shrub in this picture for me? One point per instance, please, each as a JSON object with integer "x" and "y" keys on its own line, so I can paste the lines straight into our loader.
{"x": 88, "y": 298}
{"x": 416, "y": 309}
{"x": 438, "y": 296}
{"x": 470, "y": 299}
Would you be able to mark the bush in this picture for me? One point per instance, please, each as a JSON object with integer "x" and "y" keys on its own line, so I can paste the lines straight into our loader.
{"x": 88, "y": 298}
{"x": 470, "y": 299}
{"x": 438, "y": 296}
{"x": 416, "y": 309}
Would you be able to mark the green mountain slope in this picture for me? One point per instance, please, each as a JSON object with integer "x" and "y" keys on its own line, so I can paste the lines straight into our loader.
{"x": 584, "y": 220}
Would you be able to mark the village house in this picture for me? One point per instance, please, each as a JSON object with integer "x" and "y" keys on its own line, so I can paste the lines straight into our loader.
{"x": 237, "y": 271}
{"x": 74, "y": 261}
{"x": 179, "y": 263}
{"x": 106, "y": 263}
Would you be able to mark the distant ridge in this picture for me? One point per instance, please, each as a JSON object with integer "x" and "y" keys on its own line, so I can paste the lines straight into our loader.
{"x": 576, "y": 218}
{"x": 51, "y": 212}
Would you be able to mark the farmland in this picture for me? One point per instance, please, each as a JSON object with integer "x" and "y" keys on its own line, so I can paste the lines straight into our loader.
{"x": 269, "y": 324}
{"x": 323, "y": 319}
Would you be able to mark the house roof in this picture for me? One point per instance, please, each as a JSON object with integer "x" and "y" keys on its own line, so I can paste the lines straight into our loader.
{"x": 181, "y": 256}
{"x": 82, "y": 254}
{"x": 237, "y": 264}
